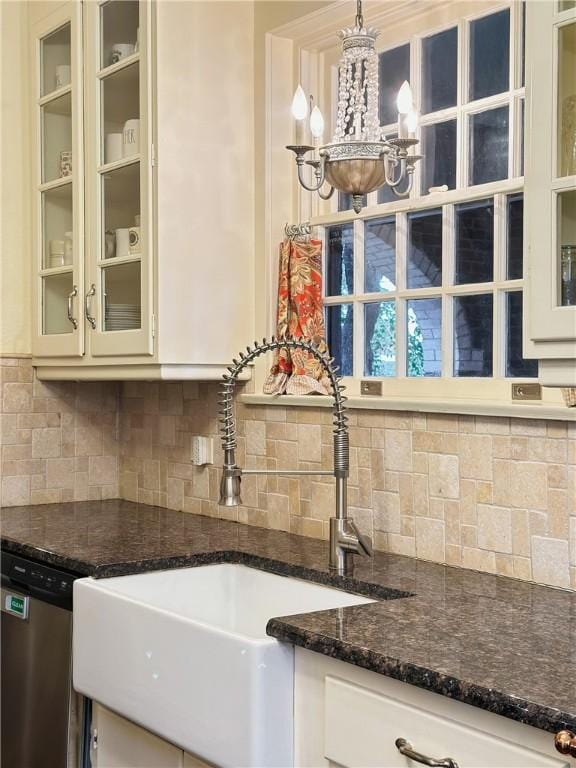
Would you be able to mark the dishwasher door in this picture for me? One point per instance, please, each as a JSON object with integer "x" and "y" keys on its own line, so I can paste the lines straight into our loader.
{"x": 36, "y": 682}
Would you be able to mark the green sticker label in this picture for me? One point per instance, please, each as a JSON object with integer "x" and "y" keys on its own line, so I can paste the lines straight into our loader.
{"x": 17, "y": 605}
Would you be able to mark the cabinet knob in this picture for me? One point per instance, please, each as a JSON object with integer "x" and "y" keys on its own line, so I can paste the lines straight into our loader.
{"x": 565, "y": 743}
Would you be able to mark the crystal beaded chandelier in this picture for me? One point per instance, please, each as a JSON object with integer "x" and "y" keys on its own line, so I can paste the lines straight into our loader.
{"x": 359, "y": 159}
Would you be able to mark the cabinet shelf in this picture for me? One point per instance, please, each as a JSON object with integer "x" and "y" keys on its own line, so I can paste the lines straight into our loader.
{"x": 123, "y": 163}
{"x": 122, "y": 64}
{"x": 54, "y": 95}
{"x": 119, "y": 260}
{"x": 55, "y": 184}
{"x": 56, "y": 270}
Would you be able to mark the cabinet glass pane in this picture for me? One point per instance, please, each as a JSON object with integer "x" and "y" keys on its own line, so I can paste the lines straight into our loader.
{"x": 120, "y": 31}
{"x": 121, "y": 207}
{"x": 55, "y": 61}
{"x": 394, "y": 68}
{"x": 380, "y": 256}
{"x": 489, "y": 146}
{"x": 439, "y": 150}
{"x": 566, "y": 5}
{"x": 424, "y": 341}
{"x": 474, "y": 242}
{"x": 57, "y": 138}
{"x": 55, "y": 292}
{"x": 489, "y": 55}
{"x": 425, "y": 249}
{"x": 516, "y": 365}
{"x": 567, "y": 236}
{"x": 380, "y": 339}
{"x": 439, "y": 70}
{"x": 121, "y": 292}
{"x": 567, "y": 100}
{"x": 57, "y": 227}
{"x": 340, "y": 260}
{"x": 120, "y": 113}
{"x": 473, "y": 334}
{"x": 339, "y": 336}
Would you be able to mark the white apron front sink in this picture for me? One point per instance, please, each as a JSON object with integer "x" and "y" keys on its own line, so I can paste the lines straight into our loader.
{"x": 185, "y": 654}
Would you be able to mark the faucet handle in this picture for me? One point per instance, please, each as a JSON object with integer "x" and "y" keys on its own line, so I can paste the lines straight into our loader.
{"x": 364, "y": 541}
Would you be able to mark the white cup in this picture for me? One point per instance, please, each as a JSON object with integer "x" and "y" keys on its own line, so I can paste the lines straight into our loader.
{"x": 113, "y": 147}
{"x": 131, "y": 138}
{"x": 122, "y": 243}
{"x": 63, "y": 75}
{"x": 120, "y": 51}
{"x": 56, "y": 253}
{"x": 134, "y": 240}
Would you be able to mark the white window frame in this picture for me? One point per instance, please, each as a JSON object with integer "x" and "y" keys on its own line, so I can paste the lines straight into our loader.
{"x": 498, "y": 191}
{"x": 303, "y": 51}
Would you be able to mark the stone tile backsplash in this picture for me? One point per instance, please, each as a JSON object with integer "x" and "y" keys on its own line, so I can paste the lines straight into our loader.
{"x": 491, "y": 494}
{"x": 59, "y": 440}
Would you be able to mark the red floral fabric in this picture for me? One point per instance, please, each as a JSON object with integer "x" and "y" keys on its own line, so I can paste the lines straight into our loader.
{"x": 301, "y": 315}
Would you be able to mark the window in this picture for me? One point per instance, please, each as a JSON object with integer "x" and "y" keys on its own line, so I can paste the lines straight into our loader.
{"x": 429, "y": 285}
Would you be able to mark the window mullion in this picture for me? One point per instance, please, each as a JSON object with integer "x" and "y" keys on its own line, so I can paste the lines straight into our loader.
{"x": 401, "y": 271}
{"x": 499, "y": 330}
{"x": 448, "y": 257}
{"x": 358, "y": 316}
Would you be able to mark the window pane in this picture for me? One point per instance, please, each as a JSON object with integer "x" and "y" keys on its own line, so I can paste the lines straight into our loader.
{"x": 439, "y": 70}
{"x": 380, "y": 256}
{"x": 340, "y": 260}
{"x": 424, "y": 337}
{"x": 394, "y": 68}
{"x": 514, "y": 267}
{"x": 439, "y": 150}
{"x": 516, "y": 365}
{"x": 489, "y": 146}
{"x": 345, "y": 201}
{"x": 473, "y": 335}
{"x": 489, "y": 55}
{"x": 339, "y": 336}
{"x": 424, "y": 249}
{"x": 474, "y": 242}
{"x": 380, "y": 339}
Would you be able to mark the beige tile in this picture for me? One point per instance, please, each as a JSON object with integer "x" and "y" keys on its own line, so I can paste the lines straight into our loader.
{"x": 60, "y": 473}
{"x": 398, "y": 450}
{"x": 102, "y": 470}
{"x": 528, "y": 485}
{"x": 46, "y": 443}
{"x": 386, "y": 511}
{"x": 322, "y": 501}
{"x": 476, "y": 456}
{"x": 255, "y": 437}
{"x": 16, "y": 397}
{"x": 520, "y": 532}
{"x": 444, "y": 476}
{"x": 494, "y": 528}
{"x": 479, "y": 560}
{"x": 15, "y": 491}
{"x": 430, "y": 540}
{"x": 550, "y": 562}
{"x": 309, "y": 442}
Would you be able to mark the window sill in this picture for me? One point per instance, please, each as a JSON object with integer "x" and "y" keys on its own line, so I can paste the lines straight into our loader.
{"x": 470, "y": 407}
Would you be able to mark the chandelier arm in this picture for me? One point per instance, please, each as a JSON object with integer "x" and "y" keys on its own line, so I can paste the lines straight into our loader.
{"x": 320, "y": 177}
{"x": 326, "y": 195}
{"x": 408, "y": 186}
{"x": 390, "y": 178}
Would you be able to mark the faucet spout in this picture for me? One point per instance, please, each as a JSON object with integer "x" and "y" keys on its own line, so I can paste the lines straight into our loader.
{"x": 345, "y": 538}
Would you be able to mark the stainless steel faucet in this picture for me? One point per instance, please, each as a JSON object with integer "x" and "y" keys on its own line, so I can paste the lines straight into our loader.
{"x": 345, "y": 538}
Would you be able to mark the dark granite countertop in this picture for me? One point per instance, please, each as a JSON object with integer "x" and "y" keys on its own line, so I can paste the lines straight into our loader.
{"x": 499, "y": 644}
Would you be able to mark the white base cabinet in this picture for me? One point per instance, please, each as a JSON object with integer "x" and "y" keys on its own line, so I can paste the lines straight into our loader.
{"x": 348, "y": 717}
{"x": 118, "y": 743}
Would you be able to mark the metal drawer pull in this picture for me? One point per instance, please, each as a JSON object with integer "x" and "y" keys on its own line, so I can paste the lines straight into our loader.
{"x": 73, "y": 293}
{"x": 565, "y": 743}
{"x": 91, "y": 319}
{"x": 406, "y": 749}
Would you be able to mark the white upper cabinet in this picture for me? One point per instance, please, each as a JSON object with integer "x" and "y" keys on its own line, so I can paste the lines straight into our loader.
{"x": 550, "y": 189}
{"x": 144, "y": 238}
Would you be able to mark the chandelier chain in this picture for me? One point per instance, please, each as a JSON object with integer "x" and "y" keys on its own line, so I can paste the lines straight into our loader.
{"x": 359, "y": 17}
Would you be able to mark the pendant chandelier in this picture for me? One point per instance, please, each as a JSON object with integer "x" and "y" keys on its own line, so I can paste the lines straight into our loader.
{"x": 359, "y": 159}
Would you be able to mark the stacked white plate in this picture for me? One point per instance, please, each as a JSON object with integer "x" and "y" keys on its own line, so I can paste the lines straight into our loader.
{"x": 122, "y": 317}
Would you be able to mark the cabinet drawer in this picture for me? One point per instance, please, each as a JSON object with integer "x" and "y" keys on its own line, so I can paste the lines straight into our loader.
{"x": 361, "y": 726}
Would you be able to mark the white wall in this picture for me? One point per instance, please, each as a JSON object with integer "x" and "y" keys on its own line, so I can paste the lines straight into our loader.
{"x": 15, "y": 286}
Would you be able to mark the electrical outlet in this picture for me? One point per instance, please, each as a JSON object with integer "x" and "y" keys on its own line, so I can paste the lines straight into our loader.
{"x": 202, "y": 450}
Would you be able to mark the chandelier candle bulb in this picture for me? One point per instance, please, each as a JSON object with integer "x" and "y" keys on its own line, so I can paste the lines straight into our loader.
{"x": 299, "y": 112}
{"x": 316, "y": 123}
{"x": 405, "y": 104}
{"x": 412, "y": 123}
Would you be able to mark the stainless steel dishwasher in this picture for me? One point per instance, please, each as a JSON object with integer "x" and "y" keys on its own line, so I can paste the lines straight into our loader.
{"x": 43, "y": 720}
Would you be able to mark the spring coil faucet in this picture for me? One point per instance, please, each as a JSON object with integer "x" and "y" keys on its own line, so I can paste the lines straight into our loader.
{"x": 345, "y": 538}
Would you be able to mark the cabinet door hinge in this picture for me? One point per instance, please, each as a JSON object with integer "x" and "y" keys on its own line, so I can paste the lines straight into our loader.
{"x": 153, "y": 326}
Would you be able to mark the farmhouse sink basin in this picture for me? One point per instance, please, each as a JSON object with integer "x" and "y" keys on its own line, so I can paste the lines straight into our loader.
{"x": 185, "y": 654}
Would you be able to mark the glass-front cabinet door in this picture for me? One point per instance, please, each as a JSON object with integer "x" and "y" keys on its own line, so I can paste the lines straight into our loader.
{"x": 550, "y": 200}
{"x": 58, "y": 181}
{"x": 118, "y": 304}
